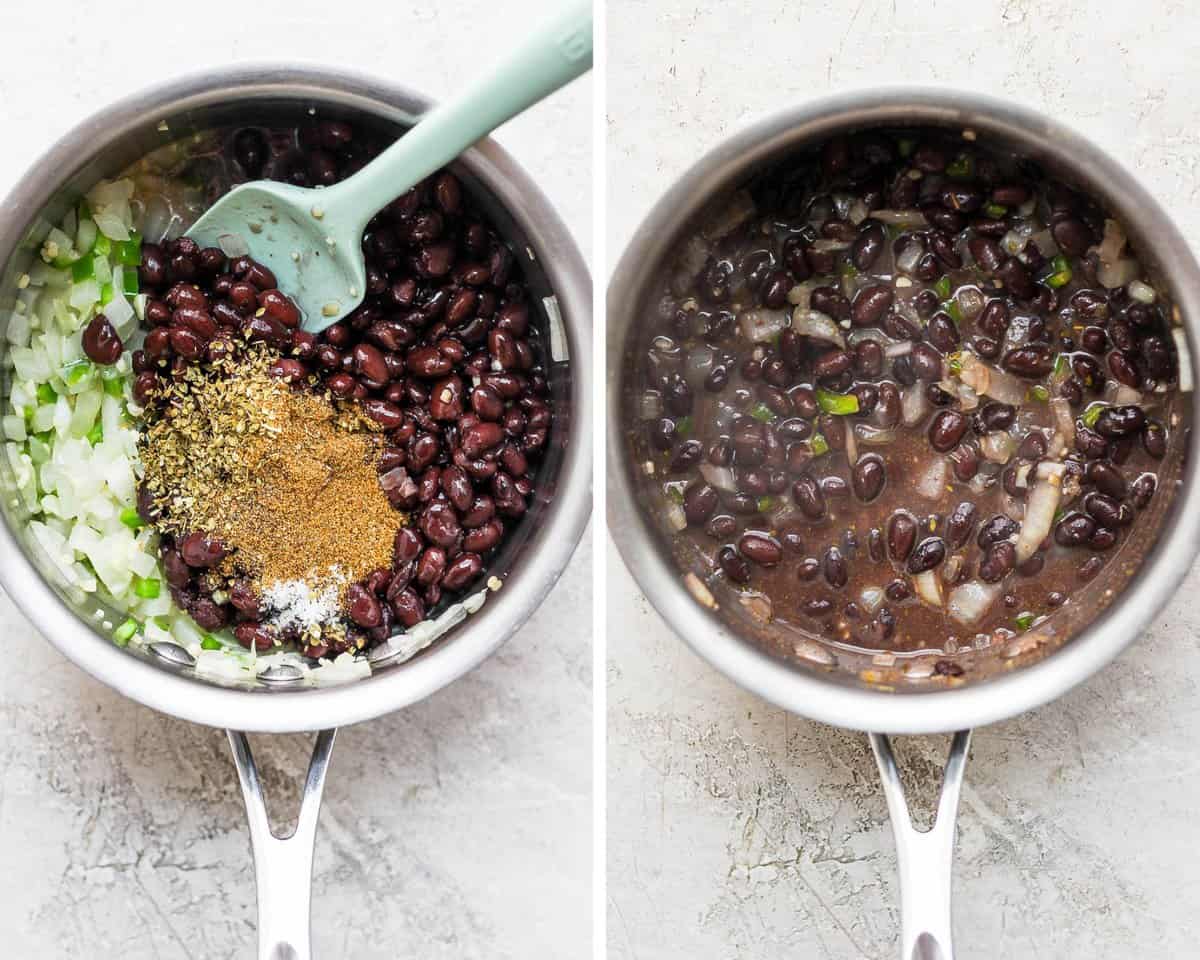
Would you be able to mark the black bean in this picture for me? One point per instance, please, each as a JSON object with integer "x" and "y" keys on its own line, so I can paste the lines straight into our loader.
{"x": 926, "y": 362}
{"x": 1157, "y": 358}
{"x": 808, "y": 568}
{"x": 721, "y": 527}
{"x": 901, "y": 535}
{"x": 828, "y": 301}
{"x": 1103, "y": 539}
{"x": 897, "y": 591}
{"x": 961, "y": 197}
{"x": 699, "y": 502}
{"x": 1072, "y": 236}
{"x": 961, "y": 524}
{"x": 1033, "y": 445}
{"x": 760, "y": 548}
{"x": 1154, "y": 439}
{"x": 999, "y": 559}
{"x": 1124, "y": 369}
{"x": 734, "y": 564}
{"x": 774, "y": 291}
{"x": 1116, "y": 422}
{"x": 986, "y": 252}
{"x": 831, "y": 363}
{"x": 1033, "y": 361}
{"x": 867, "y": 245}
{"x": 928, "y": 554}
{"x": 994, "y": 415}
{"x": 817, "y": 607}
{"x": 1089, "y": 568}
{"x": 1143, "y": 489}
{"x": 947, "y": 430}
{"x": 996, "y": 529}
{"x": 807, "y": 494}
{"x": 1074, "y": 529}
{"x": 868, "y": 358}
{"x": 887, "y": 406}
{"x": 870, "y": 305}
{"x": 1094, "y": 340}
{"x": 1015, "y": 277}
{"x": 942, "y": 333}
{"x": 965, "y": 461}
{"x": 662, "y": 432}
{"x": 837, "y": 571}
{"x": 868, "y": 477}
{"x": 1107, "y": 479}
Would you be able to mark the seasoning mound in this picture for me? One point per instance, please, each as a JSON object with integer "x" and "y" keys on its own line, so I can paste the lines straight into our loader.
{"x": 282, "y": 477}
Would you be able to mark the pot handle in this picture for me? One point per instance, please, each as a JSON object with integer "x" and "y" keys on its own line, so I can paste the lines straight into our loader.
{"x": 283, "y": 865}
{"x": 924, "y": 858}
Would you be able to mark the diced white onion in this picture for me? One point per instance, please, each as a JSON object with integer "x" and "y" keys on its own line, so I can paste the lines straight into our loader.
{"x": 899, "y": 349}
{"x": 1064, "y": 420}
{"x": 1141, "y": 292}
{"x": 719, "y": 477}
{"x": 871, "y": 598}
{"x": 761, "y": 324}
{"x": 931, "y": 484}
{"x": 872, "y": 436}
{"x": 698, "y": 364}
{"x": 905, "y": 219}
{"x": 971, "y": 600}
{"x": 1039, "y": 513}
{"x": 818, "y": 326}
{"x": 233, "y": 245}
{"x": 913, "y": 404}
{"x": 998, "y": 446}
{"x": 651, "y": 405}
{"x": 929, "y": 587}
{"x": 909, "y": 257}
{"x": 676, "y": 518}
{"x": 1185, "y": 359}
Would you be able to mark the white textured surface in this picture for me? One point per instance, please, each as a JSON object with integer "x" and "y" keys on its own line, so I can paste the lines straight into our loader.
{"x": 456, "y": 829}
{"x": 737, "y": 830}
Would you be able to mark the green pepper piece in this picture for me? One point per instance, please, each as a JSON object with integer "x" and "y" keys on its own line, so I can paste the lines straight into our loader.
{"x": 106, "y": 294}
{"x": 819, "y": 444}
{"x": 839, "y": 404}
{"x": 760, "y": 411}
{"x": 84, "y": 211}
{"x": 210, "y": 642}
{"x": 128, "y": 253}
{"x": 46, "y": 393}
{"x": 960, "y": 166}
{"x": 683, "y": 427}
{"x": 954, "y": 311}
{"x": 114, "y": 386}
{"x": 1024, "y": 621}
{"x": 675, "y": 492}
{"x": 942, "y": 287}
{"x": 906, "y": 145}
{"x": 96, "y": 434}
{"x": 766, "y": 504}
{"x": 77, "y": 371}
{"x": 84, "y": 268}
{"x": 146, "y": 587}
{"x": 1060, "y": 272}
{"x": 1092, "y": 414}
{"x": 103, "y": 245}
{"x": 131, "y": 518}
{"x": 996, "y": 210}
{"x": 124, "y": 633}
{"x": 129, "y": 282}
{"x": 1037, "y": 393}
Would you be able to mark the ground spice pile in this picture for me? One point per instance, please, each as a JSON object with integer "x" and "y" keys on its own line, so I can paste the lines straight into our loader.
{"x": 281, "y": 476}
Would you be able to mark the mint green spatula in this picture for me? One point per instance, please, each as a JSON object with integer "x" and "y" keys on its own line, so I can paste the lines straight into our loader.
{"x": 312, "y": 239}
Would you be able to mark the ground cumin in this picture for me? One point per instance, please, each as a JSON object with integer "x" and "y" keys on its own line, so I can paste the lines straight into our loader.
{"x": 283, "y": 477}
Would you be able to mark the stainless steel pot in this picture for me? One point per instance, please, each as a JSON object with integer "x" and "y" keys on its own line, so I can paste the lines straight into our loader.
{"x": 529, "y": 563}
{"x": 837, "y": 689}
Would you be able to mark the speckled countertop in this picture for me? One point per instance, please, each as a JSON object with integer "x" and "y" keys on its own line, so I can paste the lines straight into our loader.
{"x": 456, "y": 829}
{"x": 739, "y": 831}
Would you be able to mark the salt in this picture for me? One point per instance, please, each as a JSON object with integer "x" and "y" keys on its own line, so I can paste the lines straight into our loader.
{"x": 296, "y": 603}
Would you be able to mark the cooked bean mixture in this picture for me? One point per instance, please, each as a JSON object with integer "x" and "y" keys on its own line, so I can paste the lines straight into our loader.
{"x": 435, "y": 381}
{"x": 906, "y": 389}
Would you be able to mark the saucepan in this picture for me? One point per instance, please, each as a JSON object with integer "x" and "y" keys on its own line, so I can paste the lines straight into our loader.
{"x": 865, "y": 693}
{"x": 162, "y": 675}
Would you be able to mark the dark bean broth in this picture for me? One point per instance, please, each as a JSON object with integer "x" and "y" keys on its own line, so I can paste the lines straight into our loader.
{"x": 861, "y": 491}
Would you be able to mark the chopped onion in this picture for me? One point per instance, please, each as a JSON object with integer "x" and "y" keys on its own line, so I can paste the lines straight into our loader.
{"x": 724, "y": 415}
{"x": 991, "y": 381}
{"x": 872, "y": 436}
{"x": 719, "y": 477}
{"x": 698, "y": 365}
{"x": 1118, "y": 274}
{"x": 913, "y": 404}
{"x": 1141, "y": 292}
{"x": 761, "y": 325}
{"x": 1185, "y": 359}
{"x": 929, "y": 587}
{"x": 858, "y": 212}
{"x": 931, "y": 484}
{"x": 800, "y": 296}
{"x": 905, "y": 219}
{"x": 952, "y": 568}
{"x": 871, "y": 598}
{"x": 1039, "y": 509}
{"x": 1112, "y": 243}
{"x": 1014, "y": 241}
{"x": 233, "y": 245}
{"x": 758, "y": 605}
{"x": 971, "y": 600}
{"x": 998, "y": 446}
{"x": 1046, "y": 244}
{"x": 828, "y": 245}
{"x": 730, "y": 215}
{"x": 900, "y": 349}
{"x": 1064, "y": 420}
{"x": 676, "y": 518}
{"x": 397, "y": 479}
{"x": 651, "y": 405}
{"x": 851, "y": 447}
{"x": 970, "y": 301}
{"x": 819, "y": 326}
{"x": 908, "y": 259}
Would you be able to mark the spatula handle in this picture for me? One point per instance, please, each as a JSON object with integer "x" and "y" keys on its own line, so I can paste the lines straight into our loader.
{"x": 556, "y": 52}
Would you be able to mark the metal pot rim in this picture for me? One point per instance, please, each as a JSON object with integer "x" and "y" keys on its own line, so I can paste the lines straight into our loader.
{"x": 812, "y": 694}
{"x": 564, "y": 521}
